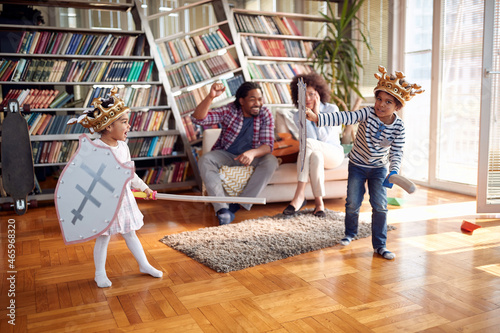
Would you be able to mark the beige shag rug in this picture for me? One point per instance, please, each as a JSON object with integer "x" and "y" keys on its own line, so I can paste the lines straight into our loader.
{"x": 253, "y": 242}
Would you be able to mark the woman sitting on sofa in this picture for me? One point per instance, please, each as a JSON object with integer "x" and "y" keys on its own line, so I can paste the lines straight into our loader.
{"x": 323, "y": 151}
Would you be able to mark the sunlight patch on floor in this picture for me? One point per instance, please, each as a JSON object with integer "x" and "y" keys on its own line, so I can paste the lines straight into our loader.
{"x": 492, "y": 269}
{"x": 456, "y": 242}
{"x": 432, "y": 212}
{"x": 438, "y": 242}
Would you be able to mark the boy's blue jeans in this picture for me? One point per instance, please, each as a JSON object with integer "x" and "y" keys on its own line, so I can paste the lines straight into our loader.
{"x": 356, "y": 180}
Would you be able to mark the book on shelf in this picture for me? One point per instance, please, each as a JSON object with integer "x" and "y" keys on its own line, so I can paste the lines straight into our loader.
{"x": 225, "y": 39}
{"x": 191, "y": 130}
{"x": 164, "y": 55}
{"x": 36, "y": 124}
{"x": 291, "y": 26}
{"x": 22, "y": 41}
{"x": 234, "y": 83}
{"x": 44, "y": 123}
{"x": 8, "y": 70}
{"x": 61, "y": 100}
{"x": 139, "y": 46}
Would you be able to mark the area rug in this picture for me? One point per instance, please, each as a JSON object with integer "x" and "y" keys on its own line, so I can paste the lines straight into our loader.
{"x": 253, "y": 242}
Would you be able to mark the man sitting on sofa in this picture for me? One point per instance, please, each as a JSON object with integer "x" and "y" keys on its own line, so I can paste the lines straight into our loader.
{"x": 247, "y": 138}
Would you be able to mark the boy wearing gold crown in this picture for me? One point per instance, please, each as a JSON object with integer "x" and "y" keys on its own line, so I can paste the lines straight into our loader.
{"x": 379, "y": 141}
{"x": 110, "y": 119}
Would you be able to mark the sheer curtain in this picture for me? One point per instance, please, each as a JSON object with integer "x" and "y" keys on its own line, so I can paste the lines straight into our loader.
{"x": 488, "y": 195}
{"x": 443, "y": 52}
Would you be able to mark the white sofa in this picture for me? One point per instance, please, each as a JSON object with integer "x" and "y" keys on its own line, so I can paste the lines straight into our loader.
{"x": 282, "y": 186}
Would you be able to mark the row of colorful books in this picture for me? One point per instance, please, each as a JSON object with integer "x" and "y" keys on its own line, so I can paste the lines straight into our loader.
{"x": 264, "y": 47}
{"x": 129, "y": 71}
{"x": 46, "y": 70}
{"x": 46, "y": 124}
{"x": 53, "y": 151}
{"x": 234, "y": 83}
{"x": 152, "y": 146}
{"x": 193, "y": 132}
{"x": 278, "y": 71}
{"x": 51, "y": 42}
{"x": 44, "y": 152}
{"x": 263, "y": 24}
{"x": 38, "y": 98}
{"x": 173, "y": 173}
{"x": 132, "y": 96}
{"x": 195, "y": 72}
{"x": 149, "y": 121}
{"x": 188, "y": 101}
{"x": 190, "y": 47}
{"x": 276, "y": 93}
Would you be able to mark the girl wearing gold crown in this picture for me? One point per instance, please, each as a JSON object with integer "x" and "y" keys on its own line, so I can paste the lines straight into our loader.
{"x": 110, "y": 119}
{"x": 379, "y": 141}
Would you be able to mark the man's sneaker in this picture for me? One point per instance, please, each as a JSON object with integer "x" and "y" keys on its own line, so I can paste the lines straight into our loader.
{"x": 225, "y": 216}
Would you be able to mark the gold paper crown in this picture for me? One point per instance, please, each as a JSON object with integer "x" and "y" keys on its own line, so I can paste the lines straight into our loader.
{"x": 100, "y": 117}
{"x": 396, "y": 85}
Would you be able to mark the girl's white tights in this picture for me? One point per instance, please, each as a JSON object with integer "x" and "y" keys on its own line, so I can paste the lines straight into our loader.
{"x": 100, "y": 253}
{"x": 134, "y": 245}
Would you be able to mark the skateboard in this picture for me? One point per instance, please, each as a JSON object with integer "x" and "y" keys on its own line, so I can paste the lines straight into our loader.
{"x": 17, "y": 160}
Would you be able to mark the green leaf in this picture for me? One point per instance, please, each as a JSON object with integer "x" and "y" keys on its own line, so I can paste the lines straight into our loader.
{"x": 336, "y": 56}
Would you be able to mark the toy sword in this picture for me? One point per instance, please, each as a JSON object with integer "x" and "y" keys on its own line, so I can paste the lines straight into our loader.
{"x": 195, "y": 198}
{"x": 302, "y": 122}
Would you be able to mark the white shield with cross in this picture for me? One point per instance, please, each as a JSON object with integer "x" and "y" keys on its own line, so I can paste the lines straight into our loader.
{"x": 89, "y": 192}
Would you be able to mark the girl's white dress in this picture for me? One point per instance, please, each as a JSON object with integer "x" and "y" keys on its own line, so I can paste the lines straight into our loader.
{"x": 129, "y": 216}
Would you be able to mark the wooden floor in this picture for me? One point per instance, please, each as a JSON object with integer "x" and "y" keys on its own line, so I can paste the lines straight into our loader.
{"x": 441, "y": 281}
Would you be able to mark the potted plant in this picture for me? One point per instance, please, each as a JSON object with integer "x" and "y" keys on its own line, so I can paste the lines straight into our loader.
{"x": 336, "y": 57}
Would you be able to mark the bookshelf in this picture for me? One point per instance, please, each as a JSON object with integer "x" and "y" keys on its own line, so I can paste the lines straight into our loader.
{"x": 58, "y": 71}
{"x": 196, "y": 55}
{"x": 275, "y": 49}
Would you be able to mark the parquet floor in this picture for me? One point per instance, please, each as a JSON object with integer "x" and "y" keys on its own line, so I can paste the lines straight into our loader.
{"x": 441, "y": 281}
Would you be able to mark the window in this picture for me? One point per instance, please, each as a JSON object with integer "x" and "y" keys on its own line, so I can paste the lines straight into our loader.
{"x": 416, "y": 114}
{"x": 443, "y": 124}
{"x": 460, "y": 66}
{"x": 488, "y": 194}
{"x": 375, "y": 16}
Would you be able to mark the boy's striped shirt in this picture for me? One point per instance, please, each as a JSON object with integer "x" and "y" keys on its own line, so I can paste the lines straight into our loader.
{"x": 376, "y": 143}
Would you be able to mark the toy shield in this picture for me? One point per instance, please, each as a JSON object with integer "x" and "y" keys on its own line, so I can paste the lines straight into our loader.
{"x": 89, "y": 192}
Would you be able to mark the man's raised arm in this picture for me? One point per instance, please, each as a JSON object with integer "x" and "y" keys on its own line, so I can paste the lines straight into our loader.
{"x": 202, "y": 109}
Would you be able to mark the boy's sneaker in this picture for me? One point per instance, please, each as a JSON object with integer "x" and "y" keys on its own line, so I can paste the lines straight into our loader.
{"x": 385, "y": 253}
{"x": 345, "y": 241}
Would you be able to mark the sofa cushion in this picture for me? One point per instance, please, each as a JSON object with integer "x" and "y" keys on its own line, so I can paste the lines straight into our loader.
{"x": 234, "y": 179}
{"x": 287, "y": 173}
